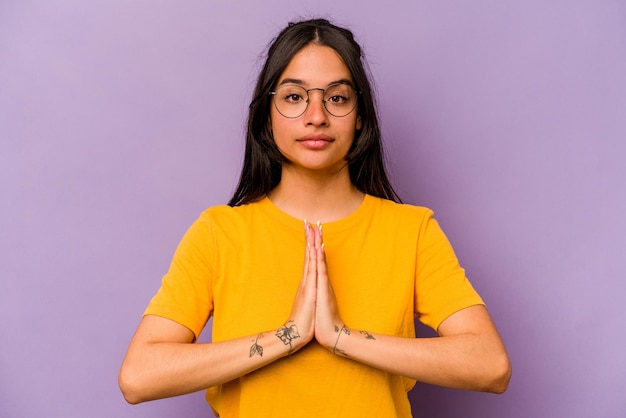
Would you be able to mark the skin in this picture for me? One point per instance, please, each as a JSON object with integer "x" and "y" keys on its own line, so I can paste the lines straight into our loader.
{"x": 290, "y": 134}
{"x": 163, "y": 360}
{"x": 316, "y": 182}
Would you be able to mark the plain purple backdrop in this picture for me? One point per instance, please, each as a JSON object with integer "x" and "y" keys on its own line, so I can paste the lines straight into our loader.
{"x": 121, "y": 121}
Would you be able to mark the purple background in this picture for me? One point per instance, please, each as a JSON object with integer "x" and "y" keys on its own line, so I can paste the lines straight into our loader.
{"x": 120, "y": 121}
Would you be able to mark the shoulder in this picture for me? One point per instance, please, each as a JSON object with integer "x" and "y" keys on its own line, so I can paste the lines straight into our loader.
{"x": 220, "y": 212}
{"x": 401, "y": 212}
{"x": 224, "y": 217}
{"x": 217, "y": 212}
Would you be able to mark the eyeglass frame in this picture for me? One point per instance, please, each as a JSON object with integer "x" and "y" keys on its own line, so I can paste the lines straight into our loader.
{"x": 308, "y": 99}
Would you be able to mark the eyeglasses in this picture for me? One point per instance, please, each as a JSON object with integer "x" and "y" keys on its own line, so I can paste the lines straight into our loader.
{"x": 292, "y": 100}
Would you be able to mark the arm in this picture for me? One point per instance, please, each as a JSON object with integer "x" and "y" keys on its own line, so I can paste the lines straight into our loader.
{"x": 468, "y": 354}
{"x": 163, "y": 360}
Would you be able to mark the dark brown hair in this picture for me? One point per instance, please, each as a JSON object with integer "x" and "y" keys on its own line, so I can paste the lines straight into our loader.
{"x": 263, "y": 160}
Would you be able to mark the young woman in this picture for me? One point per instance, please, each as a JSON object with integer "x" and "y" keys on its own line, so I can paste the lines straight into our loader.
{"x": 314, "y": 272}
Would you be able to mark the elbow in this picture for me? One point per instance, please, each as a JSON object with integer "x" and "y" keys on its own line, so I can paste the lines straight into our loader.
{"x": 499, "y": 376}
{"x": 131, "y": 386}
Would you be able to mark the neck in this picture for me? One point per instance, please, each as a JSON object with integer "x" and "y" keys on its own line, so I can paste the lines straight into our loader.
{"x": 324, "y": 197}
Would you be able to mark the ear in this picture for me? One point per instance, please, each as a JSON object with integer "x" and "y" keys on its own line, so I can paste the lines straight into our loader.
{"x": 358, "y": 123}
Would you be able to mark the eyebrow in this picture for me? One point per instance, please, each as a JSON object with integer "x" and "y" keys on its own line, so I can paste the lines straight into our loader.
{"x": 302, "y": 83}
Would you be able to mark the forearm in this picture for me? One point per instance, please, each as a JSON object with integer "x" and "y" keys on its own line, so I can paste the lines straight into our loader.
{"x": 464, "y": 361}
{"x": 154, "y": 370}
{"x": 162, "y": 361}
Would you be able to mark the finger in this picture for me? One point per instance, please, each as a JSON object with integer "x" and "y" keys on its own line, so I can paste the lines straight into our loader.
{"x": 310, "y": 268}
{"x": 319, "y": 241}
{"x": 308, "y": 237}
{"x": 320, "y": 256}
{"x": 323, "y": 284}
{"x": 321, "y": 261}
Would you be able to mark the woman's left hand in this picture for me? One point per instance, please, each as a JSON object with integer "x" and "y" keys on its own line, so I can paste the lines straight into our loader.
{"x": 328, "y": 323}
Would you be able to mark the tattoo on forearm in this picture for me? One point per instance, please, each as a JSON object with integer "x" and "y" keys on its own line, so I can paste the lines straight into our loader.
{"x": 339, "y": 331}
{"x": 346, "y": 330}
{"x": 287, "y": 333}
{"x": 367, "y": 335}
{"x": 256, "y": 347}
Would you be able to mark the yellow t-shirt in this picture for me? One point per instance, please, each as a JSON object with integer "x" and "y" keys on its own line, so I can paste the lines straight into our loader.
{"x": 387, "y": 263}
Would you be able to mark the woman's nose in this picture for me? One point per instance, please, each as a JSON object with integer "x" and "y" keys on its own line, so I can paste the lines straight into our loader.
{"x": 316, "y": 113}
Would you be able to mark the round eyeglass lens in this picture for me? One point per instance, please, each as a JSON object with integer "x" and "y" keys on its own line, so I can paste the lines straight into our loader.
{"x": 291, "y": 100}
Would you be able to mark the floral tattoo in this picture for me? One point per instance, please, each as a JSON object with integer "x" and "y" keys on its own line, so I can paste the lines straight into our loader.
{"x": 287, "y": 333}
{"x": 256, "y": 347}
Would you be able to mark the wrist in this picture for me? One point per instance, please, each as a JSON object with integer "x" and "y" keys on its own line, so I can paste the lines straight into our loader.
{"x": 290, "y": 337}
{"x": 341, "y": 334}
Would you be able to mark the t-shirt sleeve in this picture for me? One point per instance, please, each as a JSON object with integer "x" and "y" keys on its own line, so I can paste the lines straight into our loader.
{"x": 186, "y": 295}
{"x": 441, "y": 285}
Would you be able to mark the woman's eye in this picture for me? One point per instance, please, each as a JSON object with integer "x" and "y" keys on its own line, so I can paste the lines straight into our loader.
{"x": 337, "y": 99}
{"x": 293, "y": 98}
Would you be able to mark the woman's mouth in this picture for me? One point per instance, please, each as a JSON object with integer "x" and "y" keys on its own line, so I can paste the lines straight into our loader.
{"x": 315, "y": 141}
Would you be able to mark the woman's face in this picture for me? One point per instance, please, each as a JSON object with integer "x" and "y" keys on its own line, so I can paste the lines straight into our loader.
{"x": 316, "y": 140}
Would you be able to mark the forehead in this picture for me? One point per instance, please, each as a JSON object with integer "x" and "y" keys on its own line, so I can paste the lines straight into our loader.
{"x": 316, "y": 65}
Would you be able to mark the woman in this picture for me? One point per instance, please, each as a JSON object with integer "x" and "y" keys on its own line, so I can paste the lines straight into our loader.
{"x": 313, "y": 318}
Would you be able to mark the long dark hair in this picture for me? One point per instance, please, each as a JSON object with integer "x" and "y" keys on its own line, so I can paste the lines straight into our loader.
{"x": 263, "y": 160}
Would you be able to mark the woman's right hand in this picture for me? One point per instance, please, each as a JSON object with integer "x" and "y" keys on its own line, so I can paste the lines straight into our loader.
{"x": 300, "y": 328}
